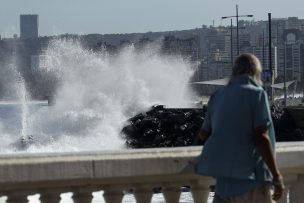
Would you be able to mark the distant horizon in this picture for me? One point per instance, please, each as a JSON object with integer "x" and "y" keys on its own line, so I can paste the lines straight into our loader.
{"x": 80, "y": 34}
{"x": 82, "y": 17}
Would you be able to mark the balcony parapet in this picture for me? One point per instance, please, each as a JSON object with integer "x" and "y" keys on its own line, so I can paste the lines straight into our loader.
{"x": 138, "y": 171}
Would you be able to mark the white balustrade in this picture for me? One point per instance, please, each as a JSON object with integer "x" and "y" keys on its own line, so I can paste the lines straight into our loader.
{"x": 143, "y": 193}
{"x": 296, "y": 190}
{"x": 50, "y": 195}
{"x": 112, "y": 195}
{"x": 127, "y": 171}
{"x": 200, "y": 191}
{"x": 82, "y": 195}
{"x": 171, "y": 192}
{"x": 17, "y": 197}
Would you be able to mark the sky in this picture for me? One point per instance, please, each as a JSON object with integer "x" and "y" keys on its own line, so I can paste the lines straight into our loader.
{"x": 129, "y": 16}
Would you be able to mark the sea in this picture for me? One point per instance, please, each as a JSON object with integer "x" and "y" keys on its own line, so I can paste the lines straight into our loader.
{"x": 12, "y": 125}
{"x": 94, "y": 95}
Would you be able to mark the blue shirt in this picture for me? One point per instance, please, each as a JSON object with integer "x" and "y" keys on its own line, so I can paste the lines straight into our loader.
{"x": 229, "y": 154}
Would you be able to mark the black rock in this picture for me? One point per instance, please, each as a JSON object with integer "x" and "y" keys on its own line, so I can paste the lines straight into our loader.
{"x": 163, "y": 127}
{"x": 172, "y": 127}
{"x": 285, "y": 126}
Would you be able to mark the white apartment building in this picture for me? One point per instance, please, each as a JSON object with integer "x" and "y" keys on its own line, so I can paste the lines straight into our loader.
{"x": 291, "y": 56}
{"x": 263, "y": 55}
{"x": 215, "y": 70}
{"x": 39, "y": 62}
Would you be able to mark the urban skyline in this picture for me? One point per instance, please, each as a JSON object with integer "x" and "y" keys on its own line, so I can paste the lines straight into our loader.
{"x": 105, "y": 17}
{"x": 212, "y": 47}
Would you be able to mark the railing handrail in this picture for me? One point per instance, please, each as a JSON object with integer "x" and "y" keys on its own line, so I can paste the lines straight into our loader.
{"x": 183, "y": 153}
{"x": 157, "y": 166}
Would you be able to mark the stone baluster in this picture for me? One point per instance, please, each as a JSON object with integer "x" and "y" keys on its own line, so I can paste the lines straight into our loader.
{"x": 143, "y": 193}
{"x": 50, "y": 196}
{"x": 200, "y": 191}
{"x": 17, "y": 197}
{"x": 171, "y": 193}
{"x": 284, "y": 198}
{"x": 82, "y": 195}
{"x": 113, "y": 194}
{"x": 296, "y": 191}
{"x": 288, "y": 179}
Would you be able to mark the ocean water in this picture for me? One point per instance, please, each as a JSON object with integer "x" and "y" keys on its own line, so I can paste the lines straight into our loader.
{"x": 12, "y": 123}
{"x": 96, "y": 94}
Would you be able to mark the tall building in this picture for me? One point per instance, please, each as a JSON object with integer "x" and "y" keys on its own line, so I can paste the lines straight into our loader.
{"x": 188, "y": 48}
{"x": 28, "y": 26}
{"x": 291, "y": 56}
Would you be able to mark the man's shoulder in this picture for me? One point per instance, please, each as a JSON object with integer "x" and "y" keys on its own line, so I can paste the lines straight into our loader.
{"x": 253, "y": 88}
{"x": 218, "y": 91}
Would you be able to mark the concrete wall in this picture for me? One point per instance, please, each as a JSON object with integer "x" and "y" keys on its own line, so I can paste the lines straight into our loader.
{"x": 138, "y": 170}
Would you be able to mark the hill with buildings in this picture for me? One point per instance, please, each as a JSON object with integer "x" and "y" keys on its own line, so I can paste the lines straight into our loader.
{"x": 212, "y": 48}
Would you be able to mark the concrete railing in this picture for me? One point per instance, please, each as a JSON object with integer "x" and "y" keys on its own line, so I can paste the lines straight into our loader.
{"x": 136, "y": 171}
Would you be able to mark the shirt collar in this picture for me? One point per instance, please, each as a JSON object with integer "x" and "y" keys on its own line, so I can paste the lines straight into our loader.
{"x": 243, "y": 79}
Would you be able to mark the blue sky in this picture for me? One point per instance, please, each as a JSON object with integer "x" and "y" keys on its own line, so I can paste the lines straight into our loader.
{"x": 127, "y": 16}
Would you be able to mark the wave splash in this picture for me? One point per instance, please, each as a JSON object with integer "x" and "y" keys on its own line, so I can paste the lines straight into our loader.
{"x": 97, "y": 92}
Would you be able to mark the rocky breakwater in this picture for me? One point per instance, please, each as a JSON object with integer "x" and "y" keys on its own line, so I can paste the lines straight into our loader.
{"x": 286, "y": 125}
{"x": 163, "y": 127}
{"x": 173, "y": 127}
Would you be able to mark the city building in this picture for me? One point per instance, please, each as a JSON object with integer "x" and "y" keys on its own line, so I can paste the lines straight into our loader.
{"x": 262, "y": 53}
{"x": 215, "y": 70}
{"x": 188, "y": 48}
{"x": 28, "y": 26}
{"x": 39, "y": 62}
{"x": 212, "y": 48}
{"x": 291, "y": 56}
{"x": 294, "y": 23}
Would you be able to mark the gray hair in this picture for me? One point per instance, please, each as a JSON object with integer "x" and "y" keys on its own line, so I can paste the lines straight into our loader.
{"x": 248, "y": 64}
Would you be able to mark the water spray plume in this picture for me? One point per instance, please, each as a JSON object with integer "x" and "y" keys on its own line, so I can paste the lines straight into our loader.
{"x": 97, "y": 92}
